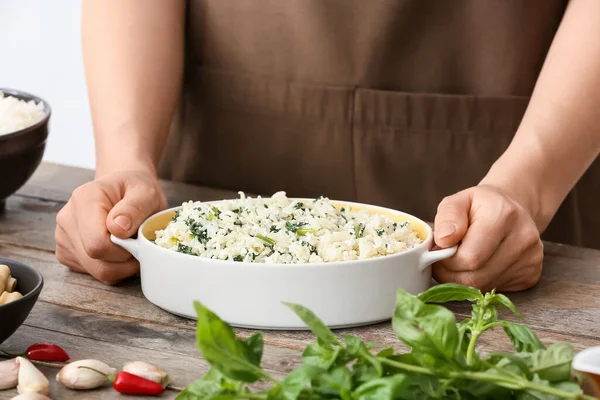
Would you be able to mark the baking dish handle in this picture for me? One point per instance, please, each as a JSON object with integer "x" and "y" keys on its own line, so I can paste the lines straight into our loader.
{"x": 430, "y": 257}
{"x": 131, "y": 245}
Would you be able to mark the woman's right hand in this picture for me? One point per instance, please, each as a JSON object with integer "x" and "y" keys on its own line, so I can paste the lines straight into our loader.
{"x": 115, "y": 203}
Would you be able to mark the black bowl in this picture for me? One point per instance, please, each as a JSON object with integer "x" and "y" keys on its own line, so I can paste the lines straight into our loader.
{"x": 29, "y": 284}
{"x": 21, "y": 151}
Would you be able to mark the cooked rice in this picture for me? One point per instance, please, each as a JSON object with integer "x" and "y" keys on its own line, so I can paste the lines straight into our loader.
{"x": 17, "y": 114}
{"x": 279, "y": 230}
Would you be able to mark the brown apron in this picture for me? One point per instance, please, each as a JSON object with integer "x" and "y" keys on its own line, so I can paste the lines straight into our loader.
{"x": 390, "y": 102}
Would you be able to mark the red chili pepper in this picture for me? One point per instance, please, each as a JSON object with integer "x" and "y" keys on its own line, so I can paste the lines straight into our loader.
{"x": 46, "y": 352}
{"x": 127, "y": 383}
{"x": 42, "y": 352}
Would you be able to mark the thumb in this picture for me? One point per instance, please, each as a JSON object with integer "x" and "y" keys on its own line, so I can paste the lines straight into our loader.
{"x": 138, "y": 203}
{"x": 452, "y": 219}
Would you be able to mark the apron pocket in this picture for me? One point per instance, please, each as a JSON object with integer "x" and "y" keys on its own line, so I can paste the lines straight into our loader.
{"x": 243, "y": 132}
{"x": 411, "y": 150}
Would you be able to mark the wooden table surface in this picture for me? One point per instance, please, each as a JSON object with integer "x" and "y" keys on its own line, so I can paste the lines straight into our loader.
{"x": 117, "y": 324}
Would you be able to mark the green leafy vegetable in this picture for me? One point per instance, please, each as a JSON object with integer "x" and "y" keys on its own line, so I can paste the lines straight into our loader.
{"x": 182, "y": 248}
{"x": 304, "y": 231}
{"x": 388, "y": 388}
{"x": 504, "y": 301}
{"x": 198, "y": 230}
{"x": 428, "y": 328}
{"x": 267, "y": 240}
{"x": 176, "y": 215}
{"x": 297, "y": 380}
{"x": 522, "y": 337}
{"x": 450, "y": 292}
{"x": 320, "y": 356}
{"x": 318, "y": 328}
{"x": 298, "y": 228}
{"x": 359, "y": 230}
{"x": 254, "y": 348}
{"x": 553, "y": 364}
{"x": 442, "y": 363}
{"x": 219, "y": 346}
{"x": 291, "y": 227}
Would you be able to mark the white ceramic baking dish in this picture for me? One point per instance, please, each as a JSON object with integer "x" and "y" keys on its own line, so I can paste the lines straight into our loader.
{"x": 342, "y": 294}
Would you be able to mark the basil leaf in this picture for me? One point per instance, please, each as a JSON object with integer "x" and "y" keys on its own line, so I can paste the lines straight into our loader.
{"x": 520, "y": 360}
{"x": 428, "y": 328}
{"x": 388, "y": 388}
{"x": 430, "y": 385}
{"x": 554, "y": 363}
{"x": 338, "y": 382}
{"x": 568, "y": 386}
{"x": 429, "y": 361}
{"x": 297, "y": 380}
{"x": 213, "y": 375}
{"x": 254, "y": 348}
{"x": 320, "y": 356}
{"x": 219, "y": 346}
{"x": 490, "y": 315}
{"x": 357, "y": 348}
{"x": 354, "y": 344}
{"x": 505, "y": 302}
{"x": 205, "y": 390}
{"x": 385, "y": 353}
{"x": 485, "y": 390}
{"x": 450, "y": 292}
{"x": 534, "y": 394}
{"x": 199, "y": 389}
{"x": 335, "y": 384}
{"x": 464, "y": 328}
{"x": 318, "y": 328}
{"x": 522, "y": 338}
{"x": 364, "y": 372}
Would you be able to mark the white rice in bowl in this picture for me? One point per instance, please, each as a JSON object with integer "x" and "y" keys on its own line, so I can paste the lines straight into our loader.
{"x": 17, "y": 114}
{"x": 279, "y": 230}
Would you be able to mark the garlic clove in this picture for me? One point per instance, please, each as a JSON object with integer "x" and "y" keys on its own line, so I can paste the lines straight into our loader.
{"x": 74, "y": 377}
{"x": 11, "y": 285}
{"x": 148, "y": 371}
{"x": 30, "y": 378}
{"x": 31, "y": 396}
{"x": 6, "y": 297}
{"x": 9, "y": 374}
{"x": 4, "y": 275}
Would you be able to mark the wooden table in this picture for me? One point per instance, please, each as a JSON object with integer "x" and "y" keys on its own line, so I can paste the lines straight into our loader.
{"x": 117, "y": 324}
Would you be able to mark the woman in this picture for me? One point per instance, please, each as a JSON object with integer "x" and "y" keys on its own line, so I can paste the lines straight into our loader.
{"x": 488, "y": 108}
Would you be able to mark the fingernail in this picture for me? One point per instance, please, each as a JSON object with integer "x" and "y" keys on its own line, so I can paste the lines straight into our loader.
{"x": 123, "y": 222}
{"x": 446, "y": 229}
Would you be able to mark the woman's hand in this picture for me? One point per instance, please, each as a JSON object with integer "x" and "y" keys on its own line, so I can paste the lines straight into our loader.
{"x": 115, "y": 203}
{"x": 500, "y": 245}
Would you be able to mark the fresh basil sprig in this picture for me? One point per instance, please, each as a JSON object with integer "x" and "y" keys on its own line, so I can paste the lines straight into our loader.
{"x": 443, "y": 362}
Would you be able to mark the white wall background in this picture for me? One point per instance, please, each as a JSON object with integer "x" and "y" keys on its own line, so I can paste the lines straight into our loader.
{"x": 40, "y": 53}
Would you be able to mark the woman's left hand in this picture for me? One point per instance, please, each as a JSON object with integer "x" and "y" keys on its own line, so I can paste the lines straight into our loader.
{"x": 500, "y": 244}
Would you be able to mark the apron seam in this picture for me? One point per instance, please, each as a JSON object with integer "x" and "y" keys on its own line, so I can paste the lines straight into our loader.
{"x": 279, "y": 116}
{"x": 430, "y": 130}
